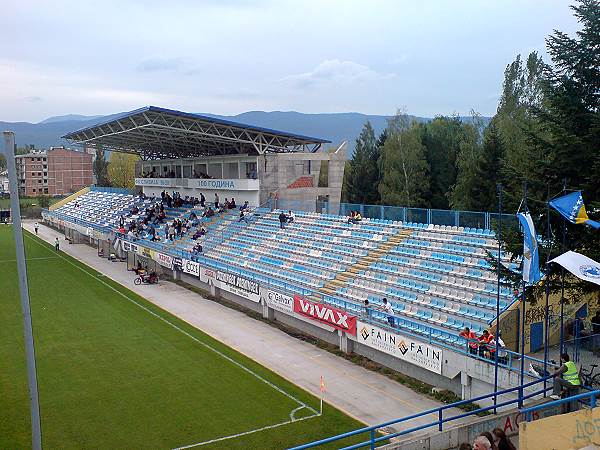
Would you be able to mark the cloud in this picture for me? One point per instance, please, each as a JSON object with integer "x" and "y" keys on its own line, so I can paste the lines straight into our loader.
{"x": 159, "y": 64}
{"x": 334, "y": 71}
{"x": 33, "y": 98}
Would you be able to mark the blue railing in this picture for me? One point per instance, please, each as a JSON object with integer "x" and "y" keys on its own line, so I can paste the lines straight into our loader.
{"x": 441, "y": 420}
{"x": 592, "y": 396}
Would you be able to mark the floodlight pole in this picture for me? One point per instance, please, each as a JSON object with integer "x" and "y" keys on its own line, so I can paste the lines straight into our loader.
{"x": 36, "y": 428}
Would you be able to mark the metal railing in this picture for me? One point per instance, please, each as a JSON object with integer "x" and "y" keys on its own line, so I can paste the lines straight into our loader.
{"x": 439, "y": 412}
{"x": 592, "y": 396}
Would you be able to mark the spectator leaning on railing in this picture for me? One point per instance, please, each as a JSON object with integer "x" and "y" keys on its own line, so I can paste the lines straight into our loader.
{"x": 471, "y": 338}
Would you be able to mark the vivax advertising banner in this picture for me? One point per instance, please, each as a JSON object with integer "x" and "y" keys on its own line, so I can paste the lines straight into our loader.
{"x": 402, "y": 347}
{"x": 164, "y": 260}
{"x": 277, "y": 301}
{"x": 237, "y": 285}
{"x": 191, "y": 267}
{"x": 326, "y": 314}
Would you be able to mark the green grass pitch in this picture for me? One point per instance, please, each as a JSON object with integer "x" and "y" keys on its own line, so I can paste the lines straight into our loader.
{"x": 114, "y": 371}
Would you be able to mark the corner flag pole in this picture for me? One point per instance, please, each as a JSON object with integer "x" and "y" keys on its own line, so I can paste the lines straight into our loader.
{"x": 322, "y": 389}
{"x": 36, "y": 428}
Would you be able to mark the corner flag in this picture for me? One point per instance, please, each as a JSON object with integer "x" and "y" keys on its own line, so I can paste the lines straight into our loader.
{"x": 322, "y": 384}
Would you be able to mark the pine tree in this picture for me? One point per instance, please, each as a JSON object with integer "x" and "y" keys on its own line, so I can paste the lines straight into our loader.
{"x": 487, "y": 171}
{"x": 361, "y": 175}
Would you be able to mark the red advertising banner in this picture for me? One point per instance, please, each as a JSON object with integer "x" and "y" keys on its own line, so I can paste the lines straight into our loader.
{"x": 325, "y": 314}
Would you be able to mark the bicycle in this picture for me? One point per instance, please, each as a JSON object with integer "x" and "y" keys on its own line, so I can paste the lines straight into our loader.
{"x": 589, "y": 378}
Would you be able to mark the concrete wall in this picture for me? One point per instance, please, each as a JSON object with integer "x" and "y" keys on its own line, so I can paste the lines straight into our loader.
{"x": 454, "y": 435}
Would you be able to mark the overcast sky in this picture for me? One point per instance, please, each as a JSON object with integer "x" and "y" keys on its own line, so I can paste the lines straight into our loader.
{"x": 230, "y": 56}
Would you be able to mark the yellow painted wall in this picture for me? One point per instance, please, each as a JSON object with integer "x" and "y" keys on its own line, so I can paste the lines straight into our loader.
{"x": 562, "y": 432}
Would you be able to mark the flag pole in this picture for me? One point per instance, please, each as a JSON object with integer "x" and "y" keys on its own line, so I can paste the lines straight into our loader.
{"x": 547, "y": 307}
{"x": 523, "y": 315}
{"x": 499, "y": 187}
{"x": 562, "y": 284}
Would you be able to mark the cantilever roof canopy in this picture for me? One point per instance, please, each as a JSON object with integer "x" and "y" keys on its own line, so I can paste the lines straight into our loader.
{"x": 159, "y": 133}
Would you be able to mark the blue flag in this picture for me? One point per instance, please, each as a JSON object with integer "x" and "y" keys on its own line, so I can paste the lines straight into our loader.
{"x": 531, "y": 257}
{"x": 571, "y": 207}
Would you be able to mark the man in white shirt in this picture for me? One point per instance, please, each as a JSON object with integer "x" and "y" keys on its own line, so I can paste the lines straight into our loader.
{"x": 387, "y": 308}
{"x": 35, "y": 227}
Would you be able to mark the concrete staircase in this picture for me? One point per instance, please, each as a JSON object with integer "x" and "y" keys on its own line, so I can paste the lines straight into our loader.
{"x": 361, "y": 264}
{"x": 66, "y": 200}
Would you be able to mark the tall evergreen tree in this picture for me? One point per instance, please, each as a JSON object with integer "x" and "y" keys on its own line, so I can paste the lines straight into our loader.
{"x": 361, "y": 176}
{"x": 101, "y": 168}
{"x": 487, "y": 170}
{"x": 404, "y": 180}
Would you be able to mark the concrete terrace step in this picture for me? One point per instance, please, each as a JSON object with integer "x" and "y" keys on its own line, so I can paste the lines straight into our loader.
{"x": 363, "y": 263}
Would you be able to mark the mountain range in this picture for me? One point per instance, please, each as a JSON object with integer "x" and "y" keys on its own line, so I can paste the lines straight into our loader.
{"x": 336, "y": 127}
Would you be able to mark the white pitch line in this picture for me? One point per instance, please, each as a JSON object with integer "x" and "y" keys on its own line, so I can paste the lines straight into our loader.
{"x": 245, "y": 433}
{"x": 28, "y": 259}
{"x": 231, "y": 360}
{"x": 293, "y": 413}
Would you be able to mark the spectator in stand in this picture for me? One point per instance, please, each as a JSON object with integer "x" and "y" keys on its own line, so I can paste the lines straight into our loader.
{"x": 351, "y": 217}
{"x": 172, "y": 232}
{"x": 243, "y": 214}
{"x": 226, "y": 204}
{"x": 482, "y": 443}
{"x": 244, "y": 206}
{"x": 232, "y": 204}
{"x": 196, "y": 250}
{"x": 387, "y": 308}
{"x": 484, "y": 340}
{"x": 471, "y": 340}
{"x": 209, "y": 212}
{"x": 202, "y": 199}
{"x": 282, "y": 220}
{"x": 366, "y": 308}
{"x": 490, "y": 438}
{"x": 290, "y": 216}
{"x": 163, "y": 196}
{"x": 199, "y": 233}
{"x": 502, "y": 353}
{"x": 502, "y": 441}
{"x": 216, "y": 201}
{"x": 567, "y": 378}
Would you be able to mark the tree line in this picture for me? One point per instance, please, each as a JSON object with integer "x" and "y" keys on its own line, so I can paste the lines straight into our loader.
{"x": 544, "y": 137}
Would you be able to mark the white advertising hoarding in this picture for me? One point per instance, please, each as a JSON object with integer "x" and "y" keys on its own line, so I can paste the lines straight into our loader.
{"x": 402, "y": 347}
{"x": 277, "y": 301}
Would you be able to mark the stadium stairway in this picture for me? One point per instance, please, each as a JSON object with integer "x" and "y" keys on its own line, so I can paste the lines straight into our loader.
{"x": 68, "y": 199}
{"x": 363, "y": 263}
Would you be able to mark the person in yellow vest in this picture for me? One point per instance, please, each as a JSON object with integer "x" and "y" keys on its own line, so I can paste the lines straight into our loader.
{"x": 570, "y": 378}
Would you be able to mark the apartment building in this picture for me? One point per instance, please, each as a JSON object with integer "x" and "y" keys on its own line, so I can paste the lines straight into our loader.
{"x": 58, "y": 171}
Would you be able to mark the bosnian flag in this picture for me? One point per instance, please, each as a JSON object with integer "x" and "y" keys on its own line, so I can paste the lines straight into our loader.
{"x": 531, "y": 257}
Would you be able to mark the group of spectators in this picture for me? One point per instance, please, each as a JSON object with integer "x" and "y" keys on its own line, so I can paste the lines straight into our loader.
{"x": 485, "y": 345}
{"x": 286, "y": 218}
{"x": 354, "y": 217}
{"x": 496, "y": 440}
{"x": 171, "y": 174}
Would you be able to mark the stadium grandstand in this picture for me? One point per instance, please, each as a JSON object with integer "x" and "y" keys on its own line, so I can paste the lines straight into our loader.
{"x": 243, "y": 212}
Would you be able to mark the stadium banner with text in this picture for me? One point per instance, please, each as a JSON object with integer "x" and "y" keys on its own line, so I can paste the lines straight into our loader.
{"x": 128, "y": 246}
{"x": 326, "y": 314}
{"x": 190, "y": 267}
{"x": 233, "y": 283}
{"x": 177, "y": 263}
{"x": 277, "y": 301}
{"x": 164, "y": 260}
{"x": 146, "y": 252}
{"x": 207, "y": 275}
{"x": 162, "y": 182}
{"x": 402, "y": 347}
